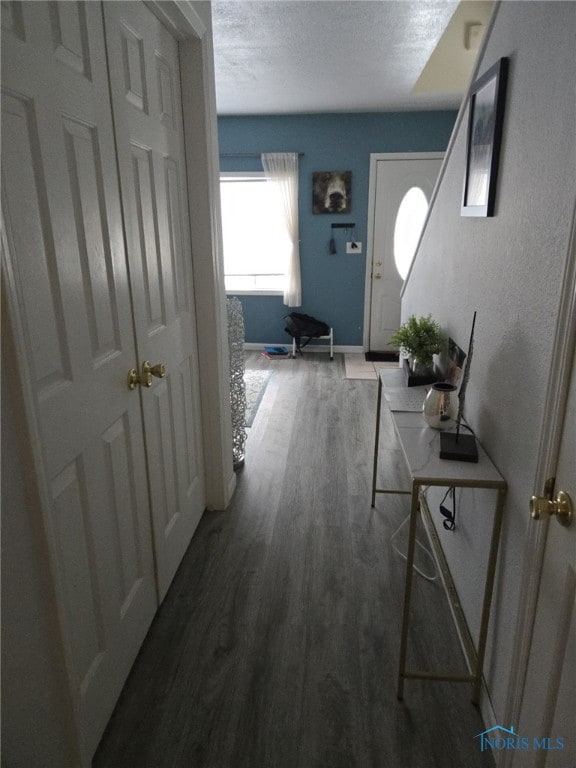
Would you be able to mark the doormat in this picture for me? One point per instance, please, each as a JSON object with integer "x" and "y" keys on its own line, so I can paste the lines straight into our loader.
{"x": 382, "y": 357}
{"x": 256, "y": 383}
{"x": 355, "y": 367}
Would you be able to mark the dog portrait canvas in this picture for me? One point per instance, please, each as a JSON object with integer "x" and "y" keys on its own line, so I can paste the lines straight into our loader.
{"x": 331, "y": 191}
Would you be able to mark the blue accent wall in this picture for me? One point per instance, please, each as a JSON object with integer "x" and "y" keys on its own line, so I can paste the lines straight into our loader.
{"x": 332, "y": 285}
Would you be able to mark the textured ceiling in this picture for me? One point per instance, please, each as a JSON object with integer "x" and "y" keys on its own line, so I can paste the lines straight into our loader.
{"x": 294, "y": 56}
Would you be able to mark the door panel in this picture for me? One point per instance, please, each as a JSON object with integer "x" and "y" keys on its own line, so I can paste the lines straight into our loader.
{"x": 61, "y": 207}
{"x": 12, "y": 18}
{"x": 133, "y": 67}
{"x": 548, "y": 703}
{"x": 394, "y": 177}
{"x": 87, "y": 186}
{"x": 145, "y": 238}
{"x": 144, "y": 67}
{"x": 175, "y": 229}
{"x": 70, "y": 35}
{"x": 72, "y": 525}
{"x": 32, "y": 233}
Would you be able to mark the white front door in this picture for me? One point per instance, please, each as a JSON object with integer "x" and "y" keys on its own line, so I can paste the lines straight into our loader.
{"x": 144, "y": 71}
{"x": 548, "y": 703}
{"x": 399, "y": 186}
{"x": 67, "y": 271}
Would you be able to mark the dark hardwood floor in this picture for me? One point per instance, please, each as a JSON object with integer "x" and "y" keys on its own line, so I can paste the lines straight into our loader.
{"x": 277, "y": 644}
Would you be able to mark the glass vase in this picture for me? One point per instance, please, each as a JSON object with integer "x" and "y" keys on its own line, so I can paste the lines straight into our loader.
{"x": 440, "y": 407}
{"x": 420, "y": 367}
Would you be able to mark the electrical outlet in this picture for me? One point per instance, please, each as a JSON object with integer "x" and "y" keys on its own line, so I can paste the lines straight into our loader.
{"x": 354, "y": 247}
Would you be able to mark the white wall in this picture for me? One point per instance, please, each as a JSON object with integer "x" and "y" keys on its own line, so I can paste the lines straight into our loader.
{"x": 509, "y": 269}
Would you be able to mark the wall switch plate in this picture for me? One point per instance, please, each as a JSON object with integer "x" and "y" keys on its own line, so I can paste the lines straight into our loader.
{"x": 354, "y": 247}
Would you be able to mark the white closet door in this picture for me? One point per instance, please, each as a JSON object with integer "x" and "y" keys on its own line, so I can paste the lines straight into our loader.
{"x": 144, "y": 71}
{"x": 62, "y": 213}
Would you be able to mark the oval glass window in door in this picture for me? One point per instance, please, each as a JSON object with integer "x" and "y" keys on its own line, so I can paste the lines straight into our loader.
{"x": 409, "y": 222}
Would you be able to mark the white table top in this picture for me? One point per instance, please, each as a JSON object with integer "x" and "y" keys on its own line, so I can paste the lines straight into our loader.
{"x": 421, "y": 447}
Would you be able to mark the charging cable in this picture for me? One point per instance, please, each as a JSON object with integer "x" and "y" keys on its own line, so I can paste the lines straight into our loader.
{"x": 449, "y": 522}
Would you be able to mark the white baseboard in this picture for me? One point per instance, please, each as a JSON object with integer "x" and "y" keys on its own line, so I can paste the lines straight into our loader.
{"x": 321, "y": 347}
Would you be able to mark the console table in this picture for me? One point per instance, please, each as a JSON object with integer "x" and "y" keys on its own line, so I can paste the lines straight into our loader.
{"x": 420, "y": 445}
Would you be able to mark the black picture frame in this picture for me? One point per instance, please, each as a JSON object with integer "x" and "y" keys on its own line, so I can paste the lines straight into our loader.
{"x": 331, "y": 191}
{"x": 485, "y": 121}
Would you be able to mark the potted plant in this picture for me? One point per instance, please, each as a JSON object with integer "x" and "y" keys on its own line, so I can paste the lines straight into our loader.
{"x": 420, "y": 338}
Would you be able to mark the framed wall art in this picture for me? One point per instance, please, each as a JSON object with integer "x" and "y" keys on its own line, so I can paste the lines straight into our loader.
{"x": 331, "y": 191}
{"x": 485, "y": 120}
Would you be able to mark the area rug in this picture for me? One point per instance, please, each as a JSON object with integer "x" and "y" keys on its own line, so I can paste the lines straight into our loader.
{"x": 256, "y": 382}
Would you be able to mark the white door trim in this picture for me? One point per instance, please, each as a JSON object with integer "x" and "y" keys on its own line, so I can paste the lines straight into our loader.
{"x": 200, "y": 131}
{"x": 562, "y": 353}
{"x": 375, "y": 158}
{"x": 179, "y": 18}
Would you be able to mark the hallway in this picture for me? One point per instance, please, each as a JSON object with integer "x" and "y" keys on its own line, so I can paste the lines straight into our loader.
{"x": 277, "y": 643}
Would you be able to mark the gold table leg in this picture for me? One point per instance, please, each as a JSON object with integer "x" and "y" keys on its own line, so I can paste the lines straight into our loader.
{"x": 488, "y": 591}
{"x": 408, "y": 588}
{"x": 376, "y": 440}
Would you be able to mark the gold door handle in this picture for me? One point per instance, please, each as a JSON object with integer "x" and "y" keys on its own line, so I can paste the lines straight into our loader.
{"x": 144, "y": 379}
{"x": 135, "y": 379}
{"x": 561, "y": 507}
{"x": 377, "y": 276}
{"x": 158, "y": 370}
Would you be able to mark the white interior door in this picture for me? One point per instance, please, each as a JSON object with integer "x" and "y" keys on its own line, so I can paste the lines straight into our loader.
{"x": 66, "y": 259}
{"x": 144, "y": 71}
{"x": 401, "y": 185}
{"x": 548, "y": 702}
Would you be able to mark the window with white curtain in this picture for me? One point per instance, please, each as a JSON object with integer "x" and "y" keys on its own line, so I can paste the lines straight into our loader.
{"x": 256, "y": 244}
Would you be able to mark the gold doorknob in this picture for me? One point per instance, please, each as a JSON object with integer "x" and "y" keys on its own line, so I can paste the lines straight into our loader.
{"x": 560, "y": 507}
{"x": 377, "y": 276}
{"x": 378, "y": 264}
{"x": 158, "y": 370}
{"x": 135, "y": 378}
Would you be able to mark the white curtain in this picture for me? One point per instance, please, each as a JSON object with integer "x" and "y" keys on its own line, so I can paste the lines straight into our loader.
{"x": 282, "y": 169}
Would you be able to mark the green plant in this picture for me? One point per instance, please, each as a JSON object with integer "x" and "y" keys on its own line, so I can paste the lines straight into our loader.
{"x": 419, "y": 337}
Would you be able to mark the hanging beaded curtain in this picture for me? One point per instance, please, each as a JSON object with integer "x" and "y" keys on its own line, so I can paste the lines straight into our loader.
{"x": 237, "y": 385}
